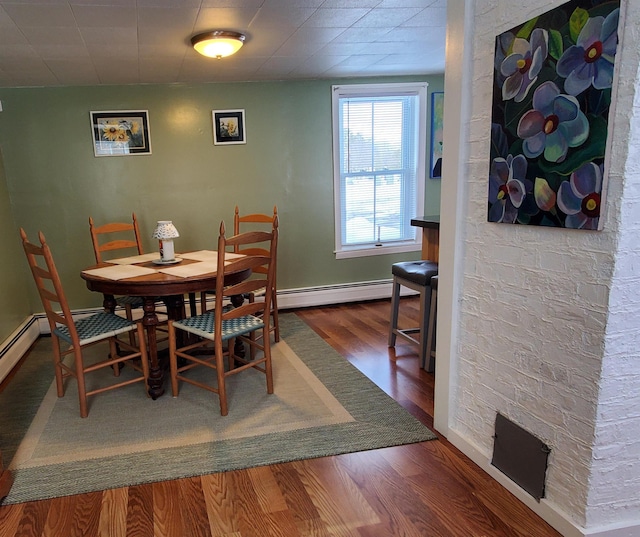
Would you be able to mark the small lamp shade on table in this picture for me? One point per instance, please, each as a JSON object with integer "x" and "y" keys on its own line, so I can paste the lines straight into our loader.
{"x": 165, "y": 232}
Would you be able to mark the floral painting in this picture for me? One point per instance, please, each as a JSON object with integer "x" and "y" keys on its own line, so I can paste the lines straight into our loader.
{"x": 437, "y": 108}
{"x": 551, "y": 96}
{"x": 120, "y": 133}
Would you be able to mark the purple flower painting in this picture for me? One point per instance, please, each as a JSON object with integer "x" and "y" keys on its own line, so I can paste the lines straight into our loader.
{"x": 552, "y": 92}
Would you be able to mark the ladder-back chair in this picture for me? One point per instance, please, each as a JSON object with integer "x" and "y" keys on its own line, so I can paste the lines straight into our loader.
{"x": 225, "y": 323}
{"x": 247, "y": 223}
{"x": 77, "y": 335}
{"x": 123, "y": 238}
{"x": 252, "y": 222}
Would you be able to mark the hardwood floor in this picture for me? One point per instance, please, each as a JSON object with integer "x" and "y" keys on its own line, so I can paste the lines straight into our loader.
{"x": 426, "y": 489}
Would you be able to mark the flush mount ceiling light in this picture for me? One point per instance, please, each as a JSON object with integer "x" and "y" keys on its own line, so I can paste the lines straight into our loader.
{"x": 218, "y": 43}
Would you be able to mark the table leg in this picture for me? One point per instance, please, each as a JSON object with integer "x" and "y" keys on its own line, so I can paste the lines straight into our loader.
{"x": 109, "y": 303}
{"x": 175, "y": 307}
{"x": 150, "y": 321}
{"x": 192, "y": 304}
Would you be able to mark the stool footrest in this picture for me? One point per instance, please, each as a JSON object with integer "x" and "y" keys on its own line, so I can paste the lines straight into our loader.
{"x": 406, "y": 333}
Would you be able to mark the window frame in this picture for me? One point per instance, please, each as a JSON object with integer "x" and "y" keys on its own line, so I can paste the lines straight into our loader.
{"x": 420, "y": 89}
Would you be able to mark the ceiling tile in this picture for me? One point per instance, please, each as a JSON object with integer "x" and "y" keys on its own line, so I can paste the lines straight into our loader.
{"x": 105, "y": 16}
{"x": 48, "y": 52}
{"x": 114, "y": 3}
{"x": 432, "y": 16}
{"x": 113, "y": 52}
{"x": 335, "y": 18}
{"x": 52, "y": 35}
{"x": 362, "y": 35}
{"x": 104, "y": 37}
{"x": 17, "y": 52}
{"x": 12, "y": 36}
{"x": 224, "y": 19}
{"x": 274, "y": 17}
{"x": 118, "y": 71}
{"x": 168, "y": 3}
{"x": 232, "y": 3}
{"x": 387, "y": 17}
{"x": 153, "y": 17}
{"x": 40, "y": 15}
{"x": 77, "y": 73}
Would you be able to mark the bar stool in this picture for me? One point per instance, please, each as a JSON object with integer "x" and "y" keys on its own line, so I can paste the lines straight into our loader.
{"x": 416, "y": 275}
{"x": 431, "y": 332}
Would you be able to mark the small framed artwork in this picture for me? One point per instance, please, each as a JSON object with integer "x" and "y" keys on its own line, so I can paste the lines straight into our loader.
{"x": 228, "y": 127}
{"x": 437, "y": 107}
{"x": 120, "y": 133}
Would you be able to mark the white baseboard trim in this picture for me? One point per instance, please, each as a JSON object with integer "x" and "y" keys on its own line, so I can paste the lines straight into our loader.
{"x": 337, "y": 294}
{"x": 17, "y": 344}
{"x": 616, "y": 530}
{"x": 546, "y": 510}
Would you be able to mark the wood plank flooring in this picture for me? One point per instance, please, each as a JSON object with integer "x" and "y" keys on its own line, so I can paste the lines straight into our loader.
{"x": 426, "y": 489}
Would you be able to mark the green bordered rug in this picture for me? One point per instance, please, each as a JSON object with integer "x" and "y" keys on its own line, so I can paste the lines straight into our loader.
{"x": 322, "y": 406}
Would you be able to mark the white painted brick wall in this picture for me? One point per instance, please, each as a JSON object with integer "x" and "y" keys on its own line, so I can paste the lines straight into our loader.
{"x": 615, "y": 479}
{"x": 549, "y": 318}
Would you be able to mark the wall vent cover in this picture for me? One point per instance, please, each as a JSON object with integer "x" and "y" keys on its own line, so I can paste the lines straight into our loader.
{"x": 520, "y": 456}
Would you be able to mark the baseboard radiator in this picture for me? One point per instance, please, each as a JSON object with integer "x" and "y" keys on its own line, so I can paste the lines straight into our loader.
{"x": 15, "y": 346}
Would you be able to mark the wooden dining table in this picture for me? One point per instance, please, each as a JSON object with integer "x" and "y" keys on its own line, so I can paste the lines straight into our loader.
{"x": 145, "y": 276}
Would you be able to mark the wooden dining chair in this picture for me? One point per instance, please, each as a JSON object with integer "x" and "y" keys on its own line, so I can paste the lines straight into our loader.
{"x": 77, "y": 335}
{"x": 250, "y": 222}
{"x": 118, "y": 239}
{"x": 123, "y": 238}
{"x": 225, "y": 323}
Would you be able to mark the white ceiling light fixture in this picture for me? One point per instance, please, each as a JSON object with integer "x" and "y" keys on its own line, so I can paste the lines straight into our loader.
{"x": 218, "y": 43}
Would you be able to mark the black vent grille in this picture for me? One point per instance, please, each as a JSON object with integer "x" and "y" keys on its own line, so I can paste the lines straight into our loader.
{"x": 520, "y": 456}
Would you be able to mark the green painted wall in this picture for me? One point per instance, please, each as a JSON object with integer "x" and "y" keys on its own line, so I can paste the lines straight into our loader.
{"x": 55, "y": 183}
{"x": 14, "y": 272}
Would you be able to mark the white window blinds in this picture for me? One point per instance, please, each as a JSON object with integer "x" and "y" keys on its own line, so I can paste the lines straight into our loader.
{"x": 379, "y": 155}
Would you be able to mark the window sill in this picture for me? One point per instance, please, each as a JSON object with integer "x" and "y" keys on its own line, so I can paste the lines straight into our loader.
{"x": 368, "y": 251}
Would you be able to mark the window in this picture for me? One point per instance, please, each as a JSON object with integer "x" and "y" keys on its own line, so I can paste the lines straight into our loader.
{"x": 379, "y": 147}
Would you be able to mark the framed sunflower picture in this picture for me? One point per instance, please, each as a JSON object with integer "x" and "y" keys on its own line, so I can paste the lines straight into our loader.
{"x": 228, "y": 127}
{"x": 120, "y": 133}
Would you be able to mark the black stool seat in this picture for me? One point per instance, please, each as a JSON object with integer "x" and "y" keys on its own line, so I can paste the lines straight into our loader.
{"x": 419, "y": 272}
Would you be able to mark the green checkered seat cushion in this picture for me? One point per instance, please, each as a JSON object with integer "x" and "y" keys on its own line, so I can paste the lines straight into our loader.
{"x": 96, "y": 327}
{"x": 203, "y": 325}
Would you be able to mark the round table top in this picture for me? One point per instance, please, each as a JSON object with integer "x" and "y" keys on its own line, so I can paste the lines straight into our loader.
{"x": 158, "y": 283}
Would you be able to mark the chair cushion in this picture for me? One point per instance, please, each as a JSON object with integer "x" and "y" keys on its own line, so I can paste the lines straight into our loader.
{"x": 97, "y": 327}
{"x": 419, "y": 272}
{"x": 203, "y": 325}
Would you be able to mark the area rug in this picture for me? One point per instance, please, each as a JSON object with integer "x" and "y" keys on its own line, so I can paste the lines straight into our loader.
{"x": 322, "y": 406}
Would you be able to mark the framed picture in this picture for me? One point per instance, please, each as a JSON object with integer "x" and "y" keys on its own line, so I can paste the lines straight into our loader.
{"x": 120, "y": 133}
{"x": 437, "y": 107}
{"x": 228, "y": 127}
{"x": 552, "y": 90}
